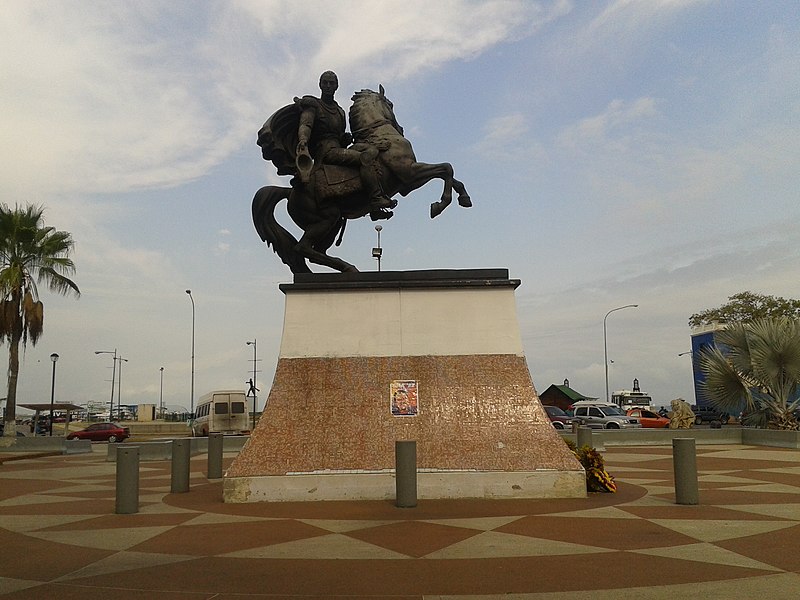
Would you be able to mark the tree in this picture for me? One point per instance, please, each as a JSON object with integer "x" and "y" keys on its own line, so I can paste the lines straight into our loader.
{"x": 745, "y": 307}
{"x": 760, "y": 366}
{"x": 30, "y": 252}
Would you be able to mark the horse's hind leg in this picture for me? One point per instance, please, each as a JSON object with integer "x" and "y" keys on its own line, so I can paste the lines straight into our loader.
{"x": 316, "y": 240}
{"x": 320, "y": 258}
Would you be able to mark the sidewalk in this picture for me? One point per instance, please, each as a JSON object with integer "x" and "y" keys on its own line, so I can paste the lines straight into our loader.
{"x": 60, "y": 538}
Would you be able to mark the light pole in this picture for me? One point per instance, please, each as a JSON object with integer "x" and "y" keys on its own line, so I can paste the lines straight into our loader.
{"x": 255, "y": 393}
{"x": 161, "y": 396}
{"x": 54, "y": 358}
{"x": 191, "y": 393}
{"x": 376, "y": 252}
{"x": 119, "y": 387}
{"x": 113, "y": 378}
{"x": 605, "y": 340}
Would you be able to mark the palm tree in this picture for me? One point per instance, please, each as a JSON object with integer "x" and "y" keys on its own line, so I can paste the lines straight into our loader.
{"x": 28, "y": 250}
{"x": 759, "y": 364}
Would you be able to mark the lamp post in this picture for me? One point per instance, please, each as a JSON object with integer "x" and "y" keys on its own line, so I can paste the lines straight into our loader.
{"x": 376, "y": 252}
{"x": 191, "y": 393}
{"x": 161, "y": 396}
{"x": 54, "y": 358}
{"x": 255, "y": 393}
{"x": 605, "y": 340}
{"x": 119, "y": 387}
{"x": 113, "y": 378}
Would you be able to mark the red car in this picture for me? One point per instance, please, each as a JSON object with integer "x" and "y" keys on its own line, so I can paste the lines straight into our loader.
{"x": 101, "y": 432}
{"x": 648, "y": 418}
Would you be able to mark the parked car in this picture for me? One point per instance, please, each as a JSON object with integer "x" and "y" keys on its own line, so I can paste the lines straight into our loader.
{"x": 648, "y": 418}
{"x": 603, "y": 416}
{"x": 703, "y": 414}
{"x": 101, "y": 432}
{"x": 558, "y": 418}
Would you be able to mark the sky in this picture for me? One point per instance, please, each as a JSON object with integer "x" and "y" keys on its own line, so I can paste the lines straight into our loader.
{"x": 617, "y": 152}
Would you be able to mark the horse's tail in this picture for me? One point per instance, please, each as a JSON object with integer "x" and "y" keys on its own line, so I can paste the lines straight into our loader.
{"x": 270, "y": 231}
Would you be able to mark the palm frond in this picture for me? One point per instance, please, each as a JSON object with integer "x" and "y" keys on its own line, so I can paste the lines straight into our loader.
{"x": 723, "y": 384}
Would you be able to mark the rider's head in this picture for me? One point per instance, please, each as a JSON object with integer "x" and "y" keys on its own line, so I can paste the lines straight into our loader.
{"x": 328, "y": 83}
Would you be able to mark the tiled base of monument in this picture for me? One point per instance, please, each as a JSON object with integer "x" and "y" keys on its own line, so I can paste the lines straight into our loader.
{"x": 329, "y": 432}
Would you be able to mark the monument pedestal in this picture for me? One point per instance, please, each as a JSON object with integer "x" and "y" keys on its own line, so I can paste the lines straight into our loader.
{"x": 367, "y": 359}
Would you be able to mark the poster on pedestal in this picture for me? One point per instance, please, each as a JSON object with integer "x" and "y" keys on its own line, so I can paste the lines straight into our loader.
{"x": 404, "y": 399}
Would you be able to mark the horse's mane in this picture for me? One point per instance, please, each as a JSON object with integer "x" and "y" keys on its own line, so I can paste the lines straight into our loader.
{"x": 358, "y": 109}
{"x": 360, "y": 95}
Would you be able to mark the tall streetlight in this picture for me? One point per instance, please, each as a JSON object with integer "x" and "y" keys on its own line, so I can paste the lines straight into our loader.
{"x": 255, "y": 393}
{"x": 191, "y": 396}
{"x": 377, "y": 251}
{"x": 605, "y": 340}
{"x": 54, "y": 358}
{"x": 113, "y": 378}
{"x": 119, "y": 387}
{"x": 161, "y": 396}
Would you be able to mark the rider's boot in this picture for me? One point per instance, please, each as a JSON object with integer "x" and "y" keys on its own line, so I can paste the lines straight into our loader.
{"x": 378, "y": 214}
{"x": 378, "y": 201}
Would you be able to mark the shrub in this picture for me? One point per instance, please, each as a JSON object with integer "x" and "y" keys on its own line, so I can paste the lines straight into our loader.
{"x": 597, "y": 478}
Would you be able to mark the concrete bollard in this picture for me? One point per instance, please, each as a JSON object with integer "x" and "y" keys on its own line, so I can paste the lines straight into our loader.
{"x": 181, "y": 453}
{"x": 585, "y": 437}
{"x": 127, "y": 501}
{"x": 684, "y": 462}
{"x": 405, "y": 461}
{"x": 215, "y": 455}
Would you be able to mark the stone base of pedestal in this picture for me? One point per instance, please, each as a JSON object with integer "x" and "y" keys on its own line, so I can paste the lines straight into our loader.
{"x": 332, "y": 418}
{"x": 430, "y": 485}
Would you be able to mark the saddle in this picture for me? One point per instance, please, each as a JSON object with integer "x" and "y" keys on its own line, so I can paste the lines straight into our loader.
{"x": 332, "y": 182}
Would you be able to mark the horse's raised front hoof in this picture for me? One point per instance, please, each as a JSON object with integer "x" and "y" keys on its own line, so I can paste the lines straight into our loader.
{"x": 464, "y": 200}
{"x": 436, "y": 209}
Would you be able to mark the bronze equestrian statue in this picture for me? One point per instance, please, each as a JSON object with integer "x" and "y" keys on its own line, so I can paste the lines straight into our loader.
{"x": 337, "y": 176}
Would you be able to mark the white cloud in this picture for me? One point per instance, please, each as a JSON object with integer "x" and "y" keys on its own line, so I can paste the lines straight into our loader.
{"x": 633, "y": 15}
{"x": 115, "y": 97}
{"x": 613, "y": 123}
{"x": 507, "y": 138}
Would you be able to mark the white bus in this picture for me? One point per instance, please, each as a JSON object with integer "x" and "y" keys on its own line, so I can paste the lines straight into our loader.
{"x": 222, "y": 411}
{"x": 635, "y": 398}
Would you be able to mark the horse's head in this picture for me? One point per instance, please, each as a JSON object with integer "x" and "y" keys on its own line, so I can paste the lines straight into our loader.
{"x": 371, "y": 109}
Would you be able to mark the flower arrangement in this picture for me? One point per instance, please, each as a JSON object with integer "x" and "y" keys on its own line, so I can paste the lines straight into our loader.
{"x": 597, "y": 478}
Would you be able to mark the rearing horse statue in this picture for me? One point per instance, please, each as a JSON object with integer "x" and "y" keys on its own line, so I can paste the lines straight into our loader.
{"x": 321, "y": 202}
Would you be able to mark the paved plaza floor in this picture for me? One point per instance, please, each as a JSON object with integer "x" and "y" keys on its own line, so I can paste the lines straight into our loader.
{"x": 60, "y": 538}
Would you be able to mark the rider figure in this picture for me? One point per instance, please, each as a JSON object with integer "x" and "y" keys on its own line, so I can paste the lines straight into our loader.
{"x": 322, "y": 127}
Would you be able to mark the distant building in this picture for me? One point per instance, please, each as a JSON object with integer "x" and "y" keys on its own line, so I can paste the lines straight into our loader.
{"x": 703, "y": 337}
{"x": 562, "y": 396}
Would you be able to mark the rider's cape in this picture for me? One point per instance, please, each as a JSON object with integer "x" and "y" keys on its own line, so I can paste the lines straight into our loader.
{"x": 278, "y": 138}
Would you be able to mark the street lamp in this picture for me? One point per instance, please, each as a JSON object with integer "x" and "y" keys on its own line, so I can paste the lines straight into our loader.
{"x": 253, "y": 381}
{"x": 119, "y": 387}
{"x": 376, "y": 252}
{"x": 113, "y": 378}
{"x": 685, "y": 353}
{"x": 161, "y": 396}
{"x": 191, "y": 397}
{"x": 54, "y": 358}
{"x": 605, "y": 340}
